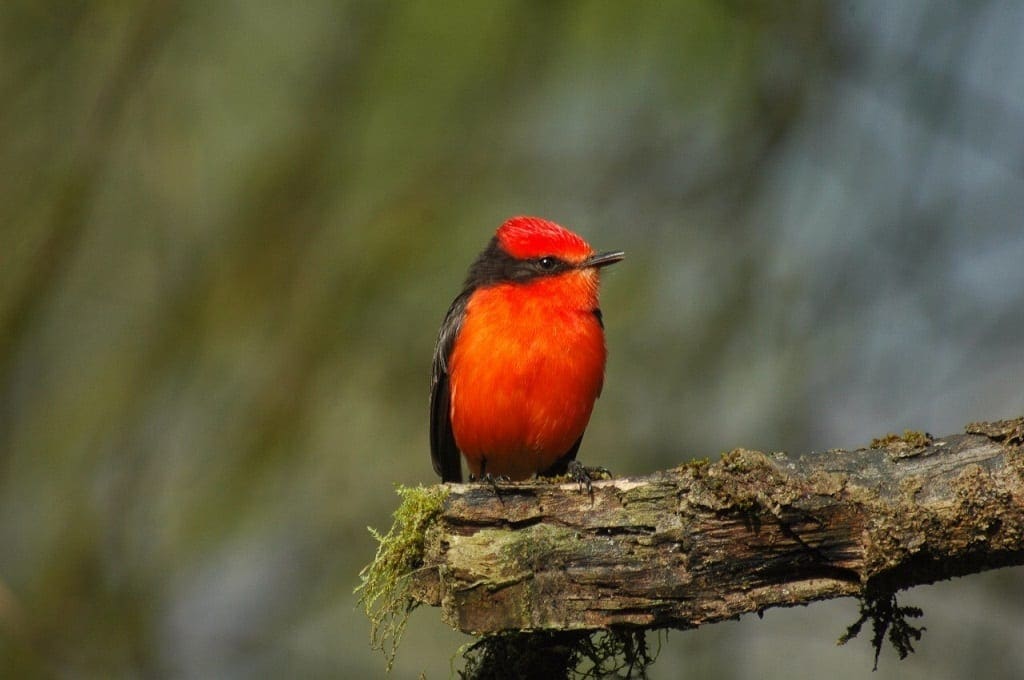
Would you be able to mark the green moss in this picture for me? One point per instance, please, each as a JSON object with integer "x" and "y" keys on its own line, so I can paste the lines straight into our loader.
{"x": 742, "y": 461}
{"x": 910, "y": 439}
{"x": 526, "y": 548}
{"x": 697, "y": 466}
{"x": 384, "y": 591}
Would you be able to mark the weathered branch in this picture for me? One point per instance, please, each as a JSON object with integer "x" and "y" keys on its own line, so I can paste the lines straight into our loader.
{"x": 705, "y": 542}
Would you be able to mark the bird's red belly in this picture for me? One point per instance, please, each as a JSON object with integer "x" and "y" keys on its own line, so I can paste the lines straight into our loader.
{"x": 524, "y": 377}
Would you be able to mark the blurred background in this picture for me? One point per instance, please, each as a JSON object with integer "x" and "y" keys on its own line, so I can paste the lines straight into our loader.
{"x": 229, "y": 232}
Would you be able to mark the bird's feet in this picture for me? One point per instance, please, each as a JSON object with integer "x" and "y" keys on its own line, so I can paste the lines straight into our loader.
{"x": 584, "y": 476}
{"x": 488, "y": 478}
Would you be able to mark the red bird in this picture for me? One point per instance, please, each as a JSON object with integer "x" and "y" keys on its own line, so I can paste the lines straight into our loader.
{"x": 520, "y": 357}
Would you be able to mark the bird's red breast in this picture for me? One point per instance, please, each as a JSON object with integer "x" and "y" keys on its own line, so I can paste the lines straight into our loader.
{"x": 525, "y": 371}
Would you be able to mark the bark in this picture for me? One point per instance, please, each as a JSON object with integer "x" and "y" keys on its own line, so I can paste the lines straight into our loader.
{"x": 705, "y": 542}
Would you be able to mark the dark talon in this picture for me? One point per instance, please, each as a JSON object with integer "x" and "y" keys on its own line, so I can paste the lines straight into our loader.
{"x": 585, "y": 476}
{"x": 488, "y": 478}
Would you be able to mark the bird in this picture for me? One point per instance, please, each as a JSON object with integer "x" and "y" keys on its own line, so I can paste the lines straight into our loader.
{"x": 520, "y": 356}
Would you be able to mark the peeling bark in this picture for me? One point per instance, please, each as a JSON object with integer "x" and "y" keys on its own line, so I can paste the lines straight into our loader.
{"x": 705, "y": 542}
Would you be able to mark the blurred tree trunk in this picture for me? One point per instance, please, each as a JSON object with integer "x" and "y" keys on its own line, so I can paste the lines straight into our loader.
{"x": 705, "y": 542}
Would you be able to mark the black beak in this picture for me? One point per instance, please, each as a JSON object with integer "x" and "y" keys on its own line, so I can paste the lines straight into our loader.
{"x": 603, "y": 259}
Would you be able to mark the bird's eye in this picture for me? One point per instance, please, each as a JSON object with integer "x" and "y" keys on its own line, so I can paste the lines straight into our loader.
{"x": 548, "y": 263}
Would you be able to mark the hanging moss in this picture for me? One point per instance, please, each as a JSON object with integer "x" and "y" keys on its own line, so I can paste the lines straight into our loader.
{"x": 617, "y": 653}
{"x": 384, "y": 591}
{"x": 886, "y": 616}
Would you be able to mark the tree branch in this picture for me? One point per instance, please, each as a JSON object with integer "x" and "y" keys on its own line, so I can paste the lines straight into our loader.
{"x": 705, "y": 542}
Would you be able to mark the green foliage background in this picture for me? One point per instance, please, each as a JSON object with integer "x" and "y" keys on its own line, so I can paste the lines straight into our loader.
{"x": 229, "y": 231}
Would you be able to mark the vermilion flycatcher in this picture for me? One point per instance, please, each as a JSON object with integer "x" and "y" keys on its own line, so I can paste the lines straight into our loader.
{"x": 520, "y": 357}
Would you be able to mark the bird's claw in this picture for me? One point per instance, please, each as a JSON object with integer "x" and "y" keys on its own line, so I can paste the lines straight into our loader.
{"x": 584, "y": 476}
{"x": 492, "y": 480}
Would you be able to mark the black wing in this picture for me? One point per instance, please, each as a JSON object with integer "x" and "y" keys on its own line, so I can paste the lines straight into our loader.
{"x": 443, "y": 451}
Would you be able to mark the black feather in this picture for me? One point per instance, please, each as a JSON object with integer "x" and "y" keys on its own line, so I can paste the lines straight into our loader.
{"x": 443, "y": 451}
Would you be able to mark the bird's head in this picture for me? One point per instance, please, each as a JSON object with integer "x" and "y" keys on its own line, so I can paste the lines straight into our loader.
{"x": 526, "y": 249}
